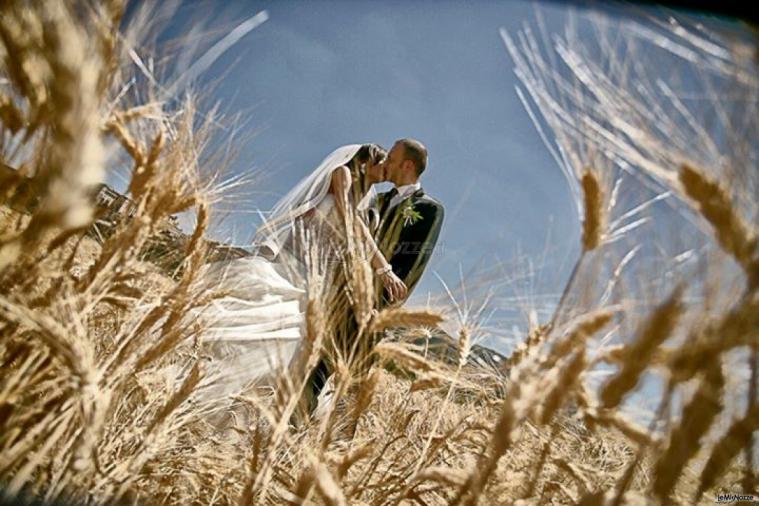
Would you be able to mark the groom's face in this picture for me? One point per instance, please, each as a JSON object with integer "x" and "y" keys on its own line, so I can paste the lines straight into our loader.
{"x": 394, "y": 164}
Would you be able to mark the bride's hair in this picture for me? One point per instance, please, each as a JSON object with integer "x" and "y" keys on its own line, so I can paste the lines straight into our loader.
{"x": 367, "y": 153}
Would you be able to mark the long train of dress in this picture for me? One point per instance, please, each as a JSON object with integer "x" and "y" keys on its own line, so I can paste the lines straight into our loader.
{"x": 255, "y": 329}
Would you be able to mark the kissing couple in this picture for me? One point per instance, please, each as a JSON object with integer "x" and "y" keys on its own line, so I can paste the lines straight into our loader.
{"x": 306, "y": 257}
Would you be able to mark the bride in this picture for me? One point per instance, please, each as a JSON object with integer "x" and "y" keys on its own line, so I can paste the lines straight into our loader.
{"x": 256, "y": 326}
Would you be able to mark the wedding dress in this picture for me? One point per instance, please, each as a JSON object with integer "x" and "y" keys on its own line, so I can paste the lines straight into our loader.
{"x": 254, "y": 330}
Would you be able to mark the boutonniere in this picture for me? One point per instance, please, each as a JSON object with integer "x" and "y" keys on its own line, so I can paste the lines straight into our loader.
{"x": 409, "y": 214}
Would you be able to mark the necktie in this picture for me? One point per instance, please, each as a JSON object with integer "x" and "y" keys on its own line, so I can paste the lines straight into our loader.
{"x": 386, "y": 202}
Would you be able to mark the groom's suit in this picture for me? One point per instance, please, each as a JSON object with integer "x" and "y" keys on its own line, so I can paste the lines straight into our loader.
{"x": 407, "y": 233}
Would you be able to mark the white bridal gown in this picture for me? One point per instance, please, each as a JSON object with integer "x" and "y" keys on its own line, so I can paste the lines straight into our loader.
{"x": 255, "y": 329}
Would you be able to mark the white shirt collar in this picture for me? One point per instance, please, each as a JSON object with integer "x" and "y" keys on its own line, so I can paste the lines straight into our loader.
{"x": 405, "y": 191}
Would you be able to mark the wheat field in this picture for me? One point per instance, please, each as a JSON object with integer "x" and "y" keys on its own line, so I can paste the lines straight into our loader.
{"x": 103, "y": 368}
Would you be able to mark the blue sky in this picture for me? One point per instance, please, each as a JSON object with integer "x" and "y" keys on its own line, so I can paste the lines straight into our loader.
{"x": 317, "y": 75}
{"x": 320, "y": 74}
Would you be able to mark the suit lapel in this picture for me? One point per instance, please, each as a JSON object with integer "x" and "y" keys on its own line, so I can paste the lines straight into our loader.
{"x": 390, "y": 225}
{"x": 384, "y": 202}
{"x": 417, "y": 194}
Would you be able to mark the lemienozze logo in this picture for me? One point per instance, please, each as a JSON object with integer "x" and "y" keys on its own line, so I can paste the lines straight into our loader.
{"x": 731, "y": 498}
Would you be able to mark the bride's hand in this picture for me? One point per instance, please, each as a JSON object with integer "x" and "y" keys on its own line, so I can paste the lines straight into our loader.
{"x": 394, "y": 286}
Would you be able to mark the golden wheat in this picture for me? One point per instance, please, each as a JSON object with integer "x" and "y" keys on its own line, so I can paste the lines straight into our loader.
{"x": 102, "y": 369}
{"x": 592, "y": 225}
{"x": 637, "y": 356}
{"x": 733, "y": 235}
{"x": 698, "y": 416}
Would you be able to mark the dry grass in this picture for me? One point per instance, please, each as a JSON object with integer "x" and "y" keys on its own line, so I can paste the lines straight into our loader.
{"x": 103, "y": 371}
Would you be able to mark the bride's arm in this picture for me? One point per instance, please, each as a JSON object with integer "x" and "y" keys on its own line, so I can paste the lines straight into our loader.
{"x": 340, "y": 188}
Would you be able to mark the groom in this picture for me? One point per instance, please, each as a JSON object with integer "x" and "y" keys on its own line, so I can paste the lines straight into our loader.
{"x": 409, "y": 227}
{"x": 410, "y": 220}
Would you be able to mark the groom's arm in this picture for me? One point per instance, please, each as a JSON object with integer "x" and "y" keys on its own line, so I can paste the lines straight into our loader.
{"x": 416, "y": 243}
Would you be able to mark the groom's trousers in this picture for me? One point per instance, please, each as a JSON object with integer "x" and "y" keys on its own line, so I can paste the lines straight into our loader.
{"x": 354, "y": 350}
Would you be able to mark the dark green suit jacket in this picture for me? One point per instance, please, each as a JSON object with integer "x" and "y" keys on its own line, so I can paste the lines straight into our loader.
{"x": 407, "y": 235}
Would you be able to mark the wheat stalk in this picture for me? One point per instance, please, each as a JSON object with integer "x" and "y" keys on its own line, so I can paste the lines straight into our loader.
{"x": 592, "y": 225}
{"x": 654, "y": 331}
{"x": 733, "y": 235}
{"x": 697, "y": 417}
{"x": 725, "y": 450}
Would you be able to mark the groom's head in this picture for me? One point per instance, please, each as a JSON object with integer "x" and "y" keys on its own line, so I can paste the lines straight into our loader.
{"x": 405, "y": 162}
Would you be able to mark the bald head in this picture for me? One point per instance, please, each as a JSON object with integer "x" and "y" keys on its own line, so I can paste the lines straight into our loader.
{"x": 405, "y": 162}
{"x": 416, "y": 152}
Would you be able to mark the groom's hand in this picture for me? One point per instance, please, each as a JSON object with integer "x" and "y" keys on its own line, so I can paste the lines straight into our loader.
{"x": 396, "y": 289}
